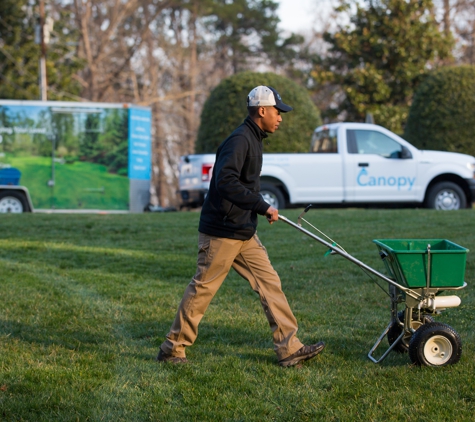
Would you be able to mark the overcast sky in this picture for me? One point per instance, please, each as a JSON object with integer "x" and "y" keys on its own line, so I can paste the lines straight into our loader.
{"x": 296, "y": 15}
{"x": 302, "y": 15}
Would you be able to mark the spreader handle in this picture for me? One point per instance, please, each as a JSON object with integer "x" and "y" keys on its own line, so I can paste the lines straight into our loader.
{"x": 351, "y": 258}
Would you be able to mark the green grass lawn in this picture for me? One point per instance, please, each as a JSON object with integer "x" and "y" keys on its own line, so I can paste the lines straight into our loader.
{"x": 88, "y": 299}
{"x": 79, "y": 185}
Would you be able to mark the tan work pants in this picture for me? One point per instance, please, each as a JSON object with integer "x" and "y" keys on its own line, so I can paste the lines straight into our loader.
{"x": 249, "y": 258}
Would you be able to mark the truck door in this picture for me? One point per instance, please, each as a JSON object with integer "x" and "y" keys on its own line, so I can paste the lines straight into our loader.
{"x": 317, "y": 176}
{"x": 378, "y": 168}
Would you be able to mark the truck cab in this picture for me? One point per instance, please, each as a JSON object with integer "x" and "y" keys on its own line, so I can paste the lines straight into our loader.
{"x": 381, "y": 166}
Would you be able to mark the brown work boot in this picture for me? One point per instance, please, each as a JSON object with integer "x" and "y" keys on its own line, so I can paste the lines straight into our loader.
{"x": 304, "y": 353}
{"x": 164, "y": 357}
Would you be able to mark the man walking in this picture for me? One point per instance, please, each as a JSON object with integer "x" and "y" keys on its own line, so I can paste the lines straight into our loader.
{"x": 227, "y": 238}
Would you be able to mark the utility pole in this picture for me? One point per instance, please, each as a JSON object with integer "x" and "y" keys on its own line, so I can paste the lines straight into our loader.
{"x": 43, "y": 81}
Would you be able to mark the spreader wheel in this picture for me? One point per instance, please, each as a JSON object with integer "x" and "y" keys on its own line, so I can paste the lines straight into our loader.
{"x": 435, "y": 344}
{"x": 395, "y": 330}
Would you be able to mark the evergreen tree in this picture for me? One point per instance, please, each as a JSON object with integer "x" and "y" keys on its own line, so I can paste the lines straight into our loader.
{"x": 441, "y": 116}
{"x": 7, "y": 136}
{"x": 89, "y": 148}
{"x": 62, "y": 129}
{"x": 114, "y": 142}
{"x": 378, "y": 59}
{"x": 247, "y": 32}
{"x": 19, "y": 54}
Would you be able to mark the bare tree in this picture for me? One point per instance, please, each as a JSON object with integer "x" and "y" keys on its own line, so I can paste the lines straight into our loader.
{"x": 112, "y": 32}
{"x": 174, "y": 75}
{"x": 145, "y": 52}
{"x": 162, "y": 54}
{"x": 458, "y": 18}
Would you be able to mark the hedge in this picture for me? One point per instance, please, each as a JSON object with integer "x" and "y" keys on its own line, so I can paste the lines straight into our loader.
{"x": 225, "y": 109}
{"x": 442, "y": 115}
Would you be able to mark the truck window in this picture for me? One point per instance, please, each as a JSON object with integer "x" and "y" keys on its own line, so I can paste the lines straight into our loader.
{"x": 372, "y": 142}
{"x": 324, "y": 142}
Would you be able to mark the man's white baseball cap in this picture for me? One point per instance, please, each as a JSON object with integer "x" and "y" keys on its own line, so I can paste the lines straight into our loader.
{"x": 263, "y": 96}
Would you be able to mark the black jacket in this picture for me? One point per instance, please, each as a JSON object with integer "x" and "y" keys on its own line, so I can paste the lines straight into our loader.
{"x": 233, "y": 201}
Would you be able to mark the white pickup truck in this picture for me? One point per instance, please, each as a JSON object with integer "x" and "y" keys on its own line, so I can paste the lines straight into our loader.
{"x": 350, "y": 164}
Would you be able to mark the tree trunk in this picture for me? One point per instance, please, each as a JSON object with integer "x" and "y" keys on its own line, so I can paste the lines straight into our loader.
{"x": 446, "y": 17}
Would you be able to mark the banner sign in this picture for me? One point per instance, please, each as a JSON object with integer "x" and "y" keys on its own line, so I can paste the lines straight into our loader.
{"x": 140, "y": 145}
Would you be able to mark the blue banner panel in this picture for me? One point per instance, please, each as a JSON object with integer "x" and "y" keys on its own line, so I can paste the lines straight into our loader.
{"x": 140, "y": 144}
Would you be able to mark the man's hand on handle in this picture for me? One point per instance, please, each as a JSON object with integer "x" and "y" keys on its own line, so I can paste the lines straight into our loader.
{"x": 272, "y": 214}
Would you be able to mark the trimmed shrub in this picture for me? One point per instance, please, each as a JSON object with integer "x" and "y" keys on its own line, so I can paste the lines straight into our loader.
{"x": 225, "y": 109}
{"x": 442, "y": 115}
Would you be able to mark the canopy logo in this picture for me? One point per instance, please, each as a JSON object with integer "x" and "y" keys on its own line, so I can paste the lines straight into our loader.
{"x": 401, "y": 182}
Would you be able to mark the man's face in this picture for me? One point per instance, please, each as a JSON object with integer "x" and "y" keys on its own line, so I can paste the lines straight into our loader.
{"x": 271, "y": 119}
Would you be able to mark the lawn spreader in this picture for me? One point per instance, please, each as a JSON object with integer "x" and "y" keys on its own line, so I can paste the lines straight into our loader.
{"x": 419, "y": 271}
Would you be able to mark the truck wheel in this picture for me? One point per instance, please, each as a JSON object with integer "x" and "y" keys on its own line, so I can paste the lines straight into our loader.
{"x": 272, "y": 195}
{"x": 446, "y": 196}
{"x": 435, "y": 344}
{"x": 395, "y": 330}
{"x": 11, "y": 201}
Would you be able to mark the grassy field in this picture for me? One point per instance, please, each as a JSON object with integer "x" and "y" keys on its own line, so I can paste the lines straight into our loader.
{"x": 79, "y": 185}
{"x": 88, "y": 299}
